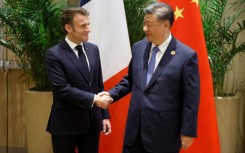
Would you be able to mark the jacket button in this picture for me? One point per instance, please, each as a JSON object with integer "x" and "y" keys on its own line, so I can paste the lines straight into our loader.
{"x": 141, "y": 108}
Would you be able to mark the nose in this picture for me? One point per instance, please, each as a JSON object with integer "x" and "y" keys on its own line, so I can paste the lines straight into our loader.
{"x": 87, "y": 28}
{"x": 145, "y": 28}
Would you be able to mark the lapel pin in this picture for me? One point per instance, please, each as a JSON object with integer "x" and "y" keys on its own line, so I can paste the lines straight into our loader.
{"x": 173, "y": 52}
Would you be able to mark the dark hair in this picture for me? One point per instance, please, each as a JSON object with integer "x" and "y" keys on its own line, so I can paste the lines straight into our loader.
{"x": 162, "y": 10}
{"x": 68, "y": 15}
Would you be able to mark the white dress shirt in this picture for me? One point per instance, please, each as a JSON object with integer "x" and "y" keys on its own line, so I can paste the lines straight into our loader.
{"x": 162, "y": 49}
{"x": 73, "y": 45}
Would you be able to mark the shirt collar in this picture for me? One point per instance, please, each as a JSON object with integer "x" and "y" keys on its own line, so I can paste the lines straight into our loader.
{"x": 164, "y": 45}
{"x": 72, "y": 44}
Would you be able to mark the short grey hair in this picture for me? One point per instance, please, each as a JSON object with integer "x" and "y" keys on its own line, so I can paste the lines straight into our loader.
{"x": 162, "y": 10}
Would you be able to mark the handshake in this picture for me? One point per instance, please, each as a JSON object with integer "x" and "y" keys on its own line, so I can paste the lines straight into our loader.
{"x": 103, "y": 100}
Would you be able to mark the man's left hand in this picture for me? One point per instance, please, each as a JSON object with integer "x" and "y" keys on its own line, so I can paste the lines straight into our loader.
{"x": 106, "y": 126}
{"x": 186, "y": 142}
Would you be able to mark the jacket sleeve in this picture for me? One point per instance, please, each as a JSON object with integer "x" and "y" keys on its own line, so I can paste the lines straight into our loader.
{"x": 124, "y": 87}
{"x": 191, "y": 96}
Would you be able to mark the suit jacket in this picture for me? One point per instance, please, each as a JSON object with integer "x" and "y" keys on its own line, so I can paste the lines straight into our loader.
{"x": 73, "y": 90}
{"x": 167, "y": 107}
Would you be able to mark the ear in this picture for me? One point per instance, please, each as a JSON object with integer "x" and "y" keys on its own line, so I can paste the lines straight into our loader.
{"x": 68, "y": 28}
{"x": 166, "y": 24}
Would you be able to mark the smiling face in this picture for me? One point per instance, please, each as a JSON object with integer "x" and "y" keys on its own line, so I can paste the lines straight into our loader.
{"x": 156, "y": 31}
{"x": 79, "y": 30}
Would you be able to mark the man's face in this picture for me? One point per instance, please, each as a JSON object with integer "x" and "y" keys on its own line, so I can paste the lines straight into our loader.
{"x": 154, "y": 29}
{"x": 79, "y": 30}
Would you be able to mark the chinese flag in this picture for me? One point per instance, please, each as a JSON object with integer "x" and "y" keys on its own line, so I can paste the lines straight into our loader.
{"x": 188, "y": 29}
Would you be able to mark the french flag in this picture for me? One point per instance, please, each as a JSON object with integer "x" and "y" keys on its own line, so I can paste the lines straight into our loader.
{"x": 109, "y": 31}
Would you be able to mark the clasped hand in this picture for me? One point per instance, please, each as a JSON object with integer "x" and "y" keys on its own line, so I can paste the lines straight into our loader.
{"x": 103, "y": 100}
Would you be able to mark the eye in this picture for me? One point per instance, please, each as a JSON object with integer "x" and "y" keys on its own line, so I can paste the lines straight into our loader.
{"x": 148, "y": 24}
{"x": 85, "y": 26}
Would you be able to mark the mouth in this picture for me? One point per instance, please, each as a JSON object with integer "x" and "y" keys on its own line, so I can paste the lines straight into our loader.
{"x": 147, "y": 35}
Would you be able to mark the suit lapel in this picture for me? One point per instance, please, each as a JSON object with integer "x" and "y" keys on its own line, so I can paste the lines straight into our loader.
{"x": 72, "y": 56}
{"x": 90, "y": 57}
{"x": 167, "y": 57}
{"x": 145, "y": 62}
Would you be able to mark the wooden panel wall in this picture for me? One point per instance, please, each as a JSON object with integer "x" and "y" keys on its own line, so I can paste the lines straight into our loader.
{"x": 12, "y": 122}
{"x": 3, "y": 109}
{"x": 16, "y": 124}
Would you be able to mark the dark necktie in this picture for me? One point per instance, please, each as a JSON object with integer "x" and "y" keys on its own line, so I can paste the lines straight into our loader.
{"x": 82, "y": 59}
{"x": 152, "y": 63}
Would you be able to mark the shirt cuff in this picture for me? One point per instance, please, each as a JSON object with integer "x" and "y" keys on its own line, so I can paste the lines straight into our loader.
{"x": 93, "y": 102}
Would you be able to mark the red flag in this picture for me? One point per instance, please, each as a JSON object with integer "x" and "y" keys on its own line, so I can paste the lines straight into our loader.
{"x": 188, "y": 29}
{"x": 113, "y": 142}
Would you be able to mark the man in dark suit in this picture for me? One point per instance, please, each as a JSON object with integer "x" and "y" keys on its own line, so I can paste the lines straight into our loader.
{"x": 74, "y": 69}
{"x": 163, "y": 77}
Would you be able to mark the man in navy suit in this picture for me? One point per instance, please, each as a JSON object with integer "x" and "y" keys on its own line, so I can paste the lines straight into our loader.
{"x": 163, "y": 77}
{"x": 74, "y": 69}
